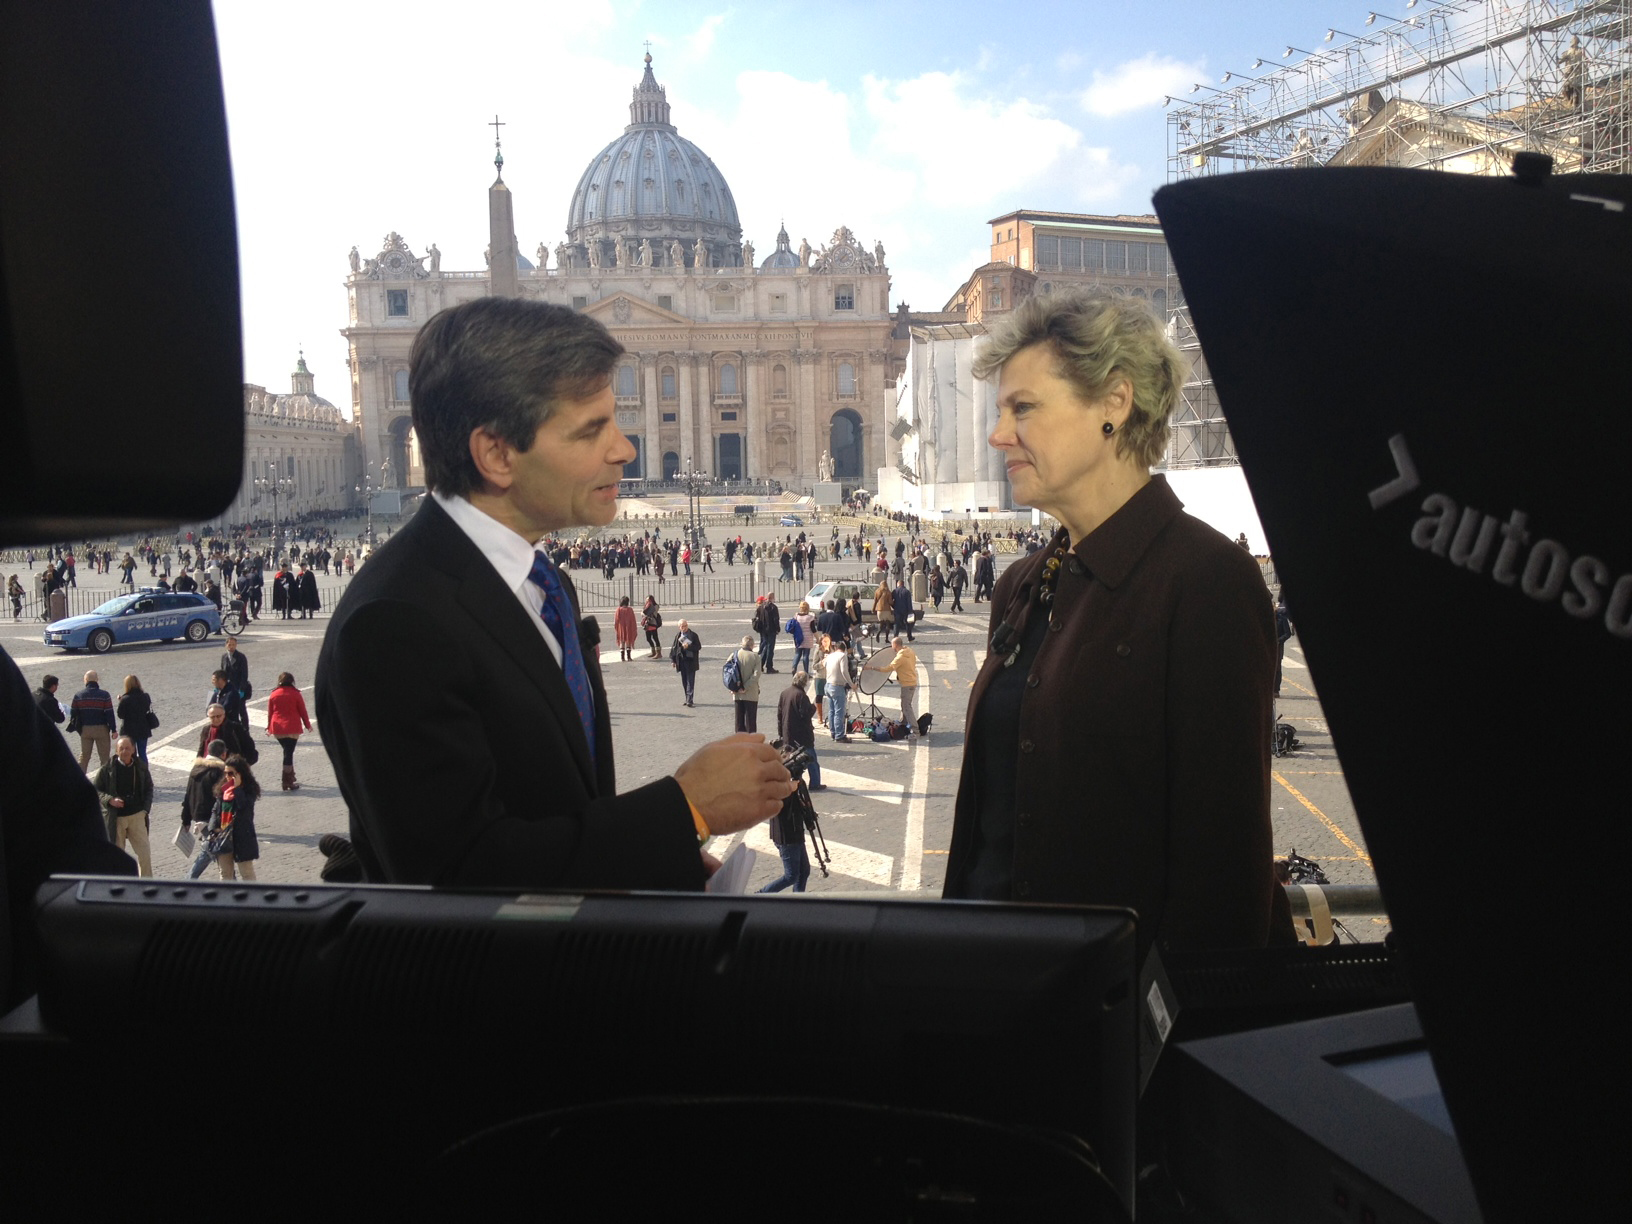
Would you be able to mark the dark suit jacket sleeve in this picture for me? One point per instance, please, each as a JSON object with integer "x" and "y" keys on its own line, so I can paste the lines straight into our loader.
{"x": 1219, "y": 708}
{"x": 452, "y": 780}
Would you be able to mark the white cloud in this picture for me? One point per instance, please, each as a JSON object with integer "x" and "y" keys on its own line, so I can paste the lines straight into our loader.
{"x": 1140, "y": 83}
{"x": 701, "y": 40}
{"x": 912, "y": 162}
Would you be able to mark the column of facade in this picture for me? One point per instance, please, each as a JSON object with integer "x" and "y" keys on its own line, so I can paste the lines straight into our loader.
{"x": 687, "y": 371}
{"x": 652, "y": 451}
{"x": 754, "y": 415}
{"x": 806, "y": 427}
{"x": 877, "y": 420}
{"x": 374, "y": 410}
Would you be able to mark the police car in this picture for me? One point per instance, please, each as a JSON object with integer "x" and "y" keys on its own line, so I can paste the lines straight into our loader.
{"x": 146, "y": 616}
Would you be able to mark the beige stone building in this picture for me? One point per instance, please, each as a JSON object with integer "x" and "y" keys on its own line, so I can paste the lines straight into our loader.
{"x": 741, "y": 368}
{"x": 300, "y": 440}
{"x": 1034, "y": 251}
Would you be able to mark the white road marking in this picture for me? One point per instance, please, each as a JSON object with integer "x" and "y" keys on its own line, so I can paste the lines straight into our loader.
{"x": 869, "y": 788}
{"x": 912, "y": 853}
{"x": 866, "y": 865}
{"x": 178, "y": 759}
{"x": 980, "y": 659}
{"x": 946, "y": 660}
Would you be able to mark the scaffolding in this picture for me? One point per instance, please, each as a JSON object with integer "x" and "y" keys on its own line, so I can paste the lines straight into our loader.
{"x": 1457, "y": 86}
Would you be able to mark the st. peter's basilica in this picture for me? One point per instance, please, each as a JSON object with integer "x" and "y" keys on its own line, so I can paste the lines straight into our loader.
{"x": 740, "y": 367}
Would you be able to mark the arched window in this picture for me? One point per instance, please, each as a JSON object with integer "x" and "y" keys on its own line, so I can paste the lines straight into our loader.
{"x": 1158, "y": 303}
{"x": 636, "y": 467}
{"x": 779, "y": 382}
{"x": 671, "y": 464}
{"x": 402, "y": 384}
{"x": 668, "y": 383}
{"x": 847, "y": 380}
{"x": 626, "y": 380}
{"x": 728, "y": 379}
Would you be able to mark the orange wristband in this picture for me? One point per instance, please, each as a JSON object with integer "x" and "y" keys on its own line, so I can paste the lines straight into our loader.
{"x": 697, "y": 819}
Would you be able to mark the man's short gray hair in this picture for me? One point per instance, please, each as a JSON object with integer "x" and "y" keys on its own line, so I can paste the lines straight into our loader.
{"x": 747, "y": 641}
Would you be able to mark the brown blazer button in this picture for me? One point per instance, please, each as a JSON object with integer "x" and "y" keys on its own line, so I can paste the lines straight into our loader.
{"x": 1076, "y": 566}
{"x": 1056, "y": 625}
{"x": 1033, "y": 680}
{"x": 1023, "y": 820}
{"x": 1123, "y": 650}
{"x": 1025, "y": 745}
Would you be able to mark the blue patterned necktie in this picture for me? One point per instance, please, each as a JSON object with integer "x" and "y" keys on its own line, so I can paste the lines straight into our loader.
{"x": 559, "y": 617}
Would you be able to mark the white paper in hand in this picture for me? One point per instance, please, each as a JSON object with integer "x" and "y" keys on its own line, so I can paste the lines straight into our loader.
{"x": 732, "y": 877}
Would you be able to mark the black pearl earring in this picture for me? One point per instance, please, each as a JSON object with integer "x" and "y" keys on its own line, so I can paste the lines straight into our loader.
{"x": 1108, "y": 429}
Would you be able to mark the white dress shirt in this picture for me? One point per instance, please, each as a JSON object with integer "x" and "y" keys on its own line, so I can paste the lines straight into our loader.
{"x": 506, "y": 552}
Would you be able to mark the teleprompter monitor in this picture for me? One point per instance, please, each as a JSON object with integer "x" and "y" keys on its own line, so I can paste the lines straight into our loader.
{"x": 956, "y": 1054}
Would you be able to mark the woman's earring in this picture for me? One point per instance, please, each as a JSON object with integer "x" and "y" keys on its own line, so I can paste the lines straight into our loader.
{"x": 1108, "y": 429}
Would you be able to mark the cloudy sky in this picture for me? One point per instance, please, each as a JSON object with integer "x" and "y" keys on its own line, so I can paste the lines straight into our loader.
{"x": 912, "y": 123}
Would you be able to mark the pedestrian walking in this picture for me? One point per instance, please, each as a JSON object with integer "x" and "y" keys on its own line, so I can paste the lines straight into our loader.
{"x": 230, "y": 834}
{"x": 15, "y": 589}
{"x": 286, "y": 718}
{"x": 901, "y": 607}
{"x": 767, "y": 621}
{"x": 236, "y": 664}
{"x": 839, "y": 684}
{"x": 802, "y": 626}
{"x": 625, "y": 627}
{"x": 135, "y": 715}
{"x": 687, "y": 654}
{"x": 91, "y": 713}
{"x": 125, "y": 788}
{"x": 651, "y": 621}
{"x": 747, "y": 697}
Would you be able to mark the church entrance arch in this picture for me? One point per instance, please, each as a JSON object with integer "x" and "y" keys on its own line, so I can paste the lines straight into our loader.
{"x": 728, "y": 456}
{"x": 671, "y": 464}
{"x": 636, "y": 467}
{"x": 396, "y": 477}
{"x": 846, "y": 446}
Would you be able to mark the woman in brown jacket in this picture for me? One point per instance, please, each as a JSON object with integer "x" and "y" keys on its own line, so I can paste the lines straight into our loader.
{"x": 1118, "y": 732}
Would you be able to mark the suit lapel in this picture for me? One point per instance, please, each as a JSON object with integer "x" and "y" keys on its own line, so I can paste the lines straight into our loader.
{"x": 500, "y": 615}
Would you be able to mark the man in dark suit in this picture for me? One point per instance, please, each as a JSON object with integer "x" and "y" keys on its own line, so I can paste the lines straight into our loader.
{"x": 459, "y": 693}
{"x": 236, "y": 665}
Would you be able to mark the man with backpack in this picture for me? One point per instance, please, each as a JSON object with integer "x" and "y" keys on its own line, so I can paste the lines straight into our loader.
{"x": 741, "y": 677}
{"x": 767, "y": 623}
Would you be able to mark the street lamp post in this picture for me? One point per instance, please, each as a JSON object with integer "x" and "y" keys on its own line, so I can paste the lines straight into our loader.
{"x": 366, "y": 492}
{"x": 275, "y": 485}
{"x": 694, "y": 479}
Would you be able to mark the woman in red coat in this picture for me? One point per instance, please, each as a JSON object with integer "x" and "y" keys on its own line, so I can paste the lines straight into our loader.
{"x": 623, "y": 622}
{"x": 286, "y": 718}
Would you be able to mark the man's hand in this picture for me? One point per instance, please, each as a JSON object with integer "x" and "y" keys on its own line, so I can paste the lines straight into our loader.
{"x": 118, "y": 803}
{"x": 735, "y": 782}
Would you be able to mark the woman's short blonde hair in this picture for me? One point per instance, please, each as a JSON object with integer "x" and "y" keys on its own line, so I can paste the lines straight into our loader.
{"x": 1098, "y": 339}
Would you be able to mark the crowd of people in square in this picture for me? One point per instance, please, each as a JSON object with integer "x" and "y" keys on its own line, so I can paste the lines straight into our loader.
{"x": 218, "y": 804}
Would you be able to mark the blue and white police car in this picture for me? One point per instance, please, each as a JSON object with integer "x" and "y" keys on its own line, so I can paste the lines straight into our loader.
{"x": 146, "y": 616}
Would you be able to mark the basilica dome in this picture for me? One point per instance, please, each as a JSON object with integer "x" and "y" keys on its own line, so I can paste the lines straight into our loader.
{"x": 653, "y": 184}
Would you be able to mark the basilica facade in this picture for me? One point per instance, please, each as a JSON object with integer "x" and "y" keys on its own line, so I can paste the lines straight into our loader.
{"x": 298, "y": 447}
{"x": 739, "y": 367}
